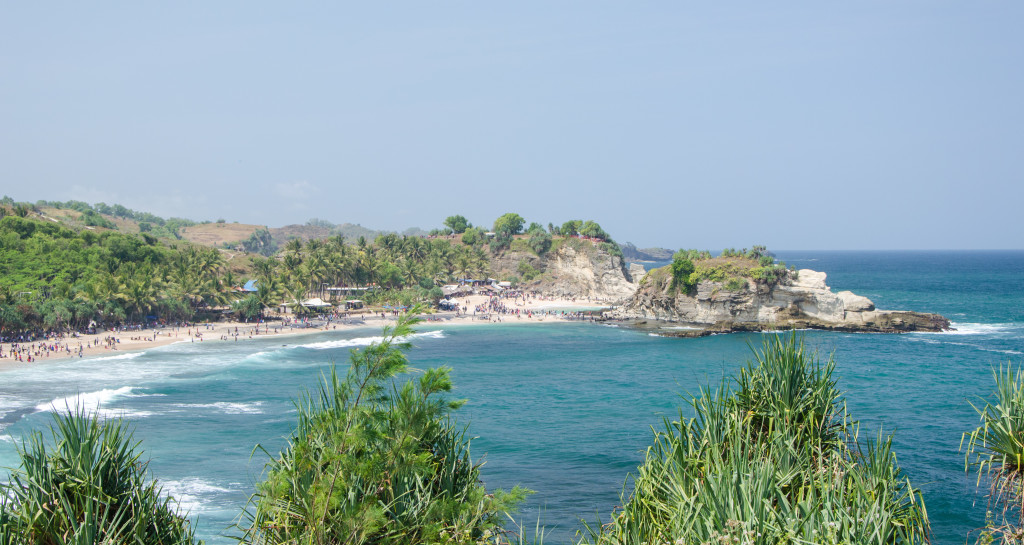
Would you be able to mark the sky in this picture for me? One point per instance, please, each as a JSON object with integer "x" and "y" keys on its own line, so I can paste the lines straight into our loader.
{"x": 797, "y": 125}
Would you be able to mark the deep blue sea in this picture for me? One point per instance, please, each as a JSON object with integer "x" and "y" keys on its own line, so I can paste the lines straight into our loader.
{"x": 565, "y": 409}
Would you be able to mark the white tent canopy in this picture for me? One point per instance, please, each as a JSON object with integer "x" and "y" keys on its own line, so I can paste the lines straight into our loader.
{"x": 315, "y": 302}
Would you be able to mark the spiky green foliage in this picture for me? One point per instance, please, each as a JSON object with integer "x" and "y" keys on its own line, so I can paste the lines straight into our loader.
{"x": 375, "y": 461}
{"x": 996, "y": 450}
{"x": 770, "y": 458}
{"x": 90, "y": 487}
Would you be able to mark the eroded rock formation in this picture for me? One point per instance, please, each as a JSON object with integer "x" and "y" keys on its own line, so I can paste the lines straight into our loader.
{"x": 798, "y": 300}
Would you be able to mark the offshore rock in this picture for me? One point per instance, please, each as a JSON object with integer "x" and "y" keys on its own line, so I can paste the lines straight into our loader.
{"x": 798, "y": 300}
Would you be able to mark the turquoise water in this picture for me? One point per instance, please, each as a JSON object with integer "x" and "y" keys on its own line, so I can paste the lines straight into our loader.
{"x": 564, "y": 409}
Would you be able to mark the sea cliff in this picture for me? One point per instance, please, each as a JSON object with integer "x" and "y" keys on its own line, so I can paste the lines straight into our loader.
{"x": 572, "y": 268}
{"x": 799, "y": 299}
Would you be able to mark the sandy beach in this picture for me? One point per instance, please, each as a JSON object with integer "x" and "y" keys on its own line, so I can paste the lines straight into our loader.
{"x": 114, "y": 342}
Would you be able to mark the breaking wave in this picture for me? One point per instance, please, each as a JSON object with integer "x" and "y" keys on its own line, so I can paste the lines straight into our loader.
{"x": 366, "y": 341}
{"x": 93, "y": 403}
{"x": 192, "y": 494}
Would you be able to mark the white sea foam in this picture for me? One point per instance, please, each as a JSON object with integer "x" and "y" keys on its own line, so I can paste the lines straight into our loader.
{"x": 366, "y": 341}
{"x": 998, "y": 351}
{"x": 226, "y": 407}
{"x": 192, "y": 493}
{"x": 89, "y": 402}
{"x": 978, "y": 329}
{"x": 970, "y": 345}
{"x": 93, "y": 403}
{"x": 128, "y": 356}
{"x": 6, "y": 438}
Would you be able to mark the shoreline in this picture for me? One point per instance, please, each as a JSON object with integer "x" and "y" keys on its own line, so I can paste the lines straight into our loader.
{"x": 129, "y": 341}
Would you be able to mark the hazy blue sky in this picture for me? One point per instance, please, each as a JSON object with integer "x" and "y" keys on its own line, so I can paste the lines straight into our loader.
{"x": 799, "y": 125}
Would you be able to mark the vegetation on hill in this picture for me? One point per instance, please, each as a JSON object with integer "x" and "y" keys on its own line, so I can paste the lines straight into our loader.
{"x": 57, "y": 278}
{"x": 631, "y": 252}
{"x": 93, "y": 215}
{"x": 732, "y": 267}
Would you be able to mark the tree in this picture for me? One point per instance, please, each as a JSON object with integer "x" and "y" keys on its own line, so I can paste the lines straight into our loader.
{"x": 593, "y": 230}
{"x": 509, "y": 224}
{"x": 682, "y": 268}
{"x": 571, "y": 228}
{"x": 458, "y": 224}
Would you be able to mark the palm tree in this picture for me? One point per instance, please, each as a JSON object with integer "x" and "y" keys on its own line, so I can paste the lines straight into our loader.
{"x": 141, "y": 292}
{"x": 410, "y": 272}
{"x": 264, "y": 268}
{"x": 268, "y": 292}
{"x": 293, "y": 246}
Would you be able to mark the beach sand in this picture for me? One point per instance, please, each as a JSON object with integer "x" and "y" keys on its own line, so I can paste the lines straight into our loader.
{"x": 132, "y": 341}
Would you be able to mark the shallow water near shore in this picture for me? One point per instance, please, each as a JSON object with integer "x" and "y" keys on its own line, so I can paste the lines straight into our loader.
{"x": 565, "y": 409}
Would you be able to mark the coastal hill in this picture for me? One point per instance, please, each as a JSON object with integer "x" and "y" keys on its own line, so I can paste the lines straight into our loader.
{"x": 107, "y": 248}
{"x": 573, "y": 267}
{"x": 750, "y": 292}
{"x": 632, "y": 253}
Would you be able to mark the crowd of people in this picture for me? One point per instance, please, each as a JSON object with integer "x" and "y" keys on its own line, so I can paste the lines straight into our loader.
{"x": 517, "y": 304}
{"x": 491, "y": 307}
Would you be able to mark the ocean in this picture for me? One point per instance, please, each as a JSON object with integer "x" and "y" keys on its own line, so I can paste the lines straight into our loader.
{"x": 566, "y": 410}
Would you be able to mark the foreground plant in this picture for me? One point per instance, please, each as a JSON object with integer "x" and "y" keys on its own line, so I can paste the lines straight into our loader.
{"x": 375, "y": 461}
{"x": 997, "y": 449}
{"x": 90, "y": 487}
{"x": 772, "y": 458}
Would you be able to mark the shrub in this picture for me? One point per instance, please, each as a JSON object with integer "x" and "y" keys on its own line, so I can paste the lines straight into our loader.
{"x": 527, "y": 271}
{"x": 682, "y": 269}
{"x": 472, "y": 236}
{"x": 735, "y": 283}
{"x": 999, "y": 455}
{"x": 540, "y": 242}
{"x": 612, "y": 249}
{"x": 771, "y": 457}
{"x": 90, "y": 487}
{"x": 375, "y": 461}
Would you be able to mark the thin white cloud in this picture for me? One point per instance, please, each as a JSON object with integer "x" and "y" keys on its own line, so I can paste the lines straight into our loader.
{"x": 299, "y": 190}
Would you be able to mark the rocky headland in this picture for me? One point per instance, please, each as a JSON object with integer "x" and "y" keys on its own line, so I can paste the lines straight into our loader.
{"x": 573, "y": 268}
{"x": 792, "y": 300}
